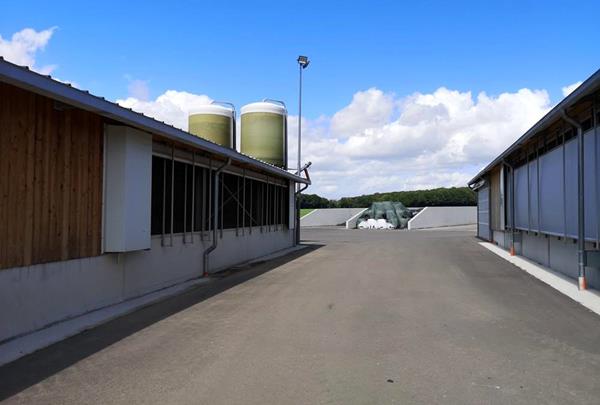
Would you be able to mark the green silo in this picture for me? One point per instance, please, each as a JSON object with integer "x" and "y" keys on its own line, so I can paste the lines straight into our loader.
{"x": 214, "y": 122}
{"x": 264, "y": 132}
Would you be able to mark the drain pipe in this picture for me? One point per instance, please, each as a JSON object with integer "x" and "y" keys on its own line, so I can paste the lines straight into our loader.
{"x": 215, "y": 218}
{"x": 581, "y": 254}
{"x": 300, "y": 190}
{"x": 512, "y": 207}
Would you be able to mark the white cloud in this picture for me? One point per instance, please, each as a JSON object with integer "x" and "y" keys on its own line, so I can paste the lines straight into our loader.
{"x": 570, "y": 88}
{"x": 420, "y": 141}
{"x": 23, "y": 46}
{"x": 370, "y": 108}
{"x": 378, "y": 142}
{"x": 172, "y": 107}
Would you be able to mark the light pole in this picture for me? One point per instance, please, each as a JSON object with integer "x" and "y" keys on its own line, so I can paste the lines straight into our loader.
{"x": 303, "y": 63}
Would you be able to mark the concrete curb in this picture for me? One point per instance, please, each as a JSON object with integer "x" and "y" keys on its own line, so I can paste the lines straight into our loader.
{"x": 588, "y": 298}
{"x": 23, "y": 345}
{"x": 18, "y": 347}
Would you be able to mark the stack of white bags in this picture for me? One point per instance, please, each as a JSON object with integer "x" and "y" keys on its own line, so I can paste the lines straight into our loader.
{"x": 375, "y": 224}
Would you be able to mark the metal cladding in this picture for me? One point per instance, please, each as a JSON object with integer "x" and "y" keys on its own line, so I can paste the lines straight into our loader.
{"x": 264, "y": 132}
{"x": 215, "y": 123}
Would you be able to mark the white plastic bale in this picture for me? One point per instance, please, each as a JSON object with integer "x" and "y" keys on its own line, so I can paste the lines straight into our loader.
{"x": 375, "y": 224}
{"x": 381, "y": 224}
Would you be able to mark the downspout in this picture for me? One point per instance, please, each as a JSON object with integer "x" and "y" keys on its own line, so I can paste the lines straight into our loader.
{"x": 581, "y": 254}
{"x": 215, "y": 218}
{"x": 300, "y": 190}
{"x": 512, "y": 207}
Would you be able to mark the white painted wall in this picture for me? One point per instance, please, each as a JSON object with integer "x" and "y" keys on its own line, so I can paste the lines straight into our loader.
{"x": 433, "y": 217}
{"x": 128, "y": 188}
{"x": 36, "y": 296}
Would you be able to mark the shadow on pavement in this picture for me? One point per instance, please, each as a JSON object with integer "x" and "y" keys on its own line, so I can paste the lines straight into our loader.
{"x": 33, "y": 368}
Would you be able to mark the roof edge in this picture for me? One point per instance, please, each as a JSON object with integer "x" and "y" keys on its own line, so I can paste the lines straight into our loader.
{"x": 25, "y": 78}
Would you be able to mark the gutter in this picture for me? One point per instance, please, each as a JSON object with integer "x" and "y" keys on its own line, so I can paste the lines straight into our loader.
{"x": 581, "y": 253}
{"x": 297, "y": 195}
{"x": 215, "y": 218}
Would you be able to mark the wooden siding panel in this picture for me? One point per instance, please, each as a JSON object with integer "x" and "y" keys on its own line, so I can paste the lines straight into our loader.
{"x": 51, "y": 188}
{"x": 3, "y": 172}
{"x": 65, "y": 129}
{"x": 29, "y": 185}
{"x": 74, "y": 194}
{"x": 15, "y": 148}
{"x": 96, "y": 151}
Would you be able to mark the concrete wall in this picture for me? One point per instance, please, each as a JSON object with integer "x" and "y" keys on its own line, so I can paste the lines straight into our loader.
{"x": 433, "y": 217}
{"x": 36, "y": 296}
{"x": 501, "y": 238}
{"x": 558, "y": 254}
{"x": 329, "y": 216}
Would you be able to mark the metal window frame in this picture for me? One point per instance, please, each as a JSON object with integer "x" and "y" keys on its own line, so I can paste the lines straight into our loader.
{"x": 221, "y": 212}
{"x": 210, "y": 191}
{"x": 596, "y": 167}
{"x": 244, "y": 203}
{"x": 564, "y": 183}
{"x": 164, "y": 203}
{"x": 193, "y": 196}
{"x": 204, "y": 204}
{"x": 185, "y": 204}
{"x": 172, "y": 191}
{"x": 237, "y": 209}
{"x": 251, "y": 203}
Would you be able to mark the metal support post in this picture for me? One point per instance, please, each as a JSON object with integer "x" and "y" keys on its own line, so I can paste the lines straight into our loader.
{"x": 581, "y": 253}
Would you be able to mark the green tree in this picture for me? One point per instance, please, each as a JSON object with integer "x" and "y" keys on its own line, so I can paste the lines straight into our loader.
{"x": 454, "y": 196}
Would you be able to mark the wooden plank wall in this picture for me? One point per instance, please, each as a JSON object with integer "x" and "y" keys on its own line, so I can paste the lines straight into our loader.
{"x": 51, "y": 180}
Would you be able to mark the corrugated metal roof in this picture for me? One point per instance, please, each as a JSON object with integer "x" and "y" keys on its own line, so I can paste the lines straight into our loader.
{"x": 588, "y": 87}
{"x": 27, "y": 79}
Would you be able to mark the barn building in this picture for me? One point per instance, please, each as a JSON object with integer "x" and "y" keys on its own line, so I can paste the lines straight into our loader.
{"x": 541, "y": 197}
{"x": 100, "y": 204}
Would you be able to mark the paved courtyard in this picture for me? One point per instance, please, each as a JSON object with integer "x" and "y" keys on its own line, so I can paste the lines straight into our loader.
{"x": 358, "y": 317}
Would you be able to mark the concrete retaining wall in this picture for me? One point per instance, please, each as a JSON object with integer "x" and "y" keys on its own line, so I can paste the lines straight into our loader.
{"x": 433, "y": 217}
{"x": 329, "y": 216}
{"x": 36, "y": 296}
{"x": 351, "y": 223}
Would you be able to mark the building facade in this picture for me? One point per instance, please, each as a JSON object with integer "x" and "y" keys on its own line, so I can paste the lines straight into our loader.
{"x": 100, "y": 204}
{"x": 540, "y": 198}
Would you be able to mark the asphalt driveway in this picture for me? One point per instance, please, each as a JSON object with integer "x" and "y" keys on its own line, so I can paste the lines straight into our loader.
{"x": 359, "y": 317}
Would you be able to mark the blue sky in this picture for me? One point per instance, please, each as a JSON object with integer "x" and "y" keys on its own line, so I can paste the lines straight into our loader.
{"x": 246, "y": 51}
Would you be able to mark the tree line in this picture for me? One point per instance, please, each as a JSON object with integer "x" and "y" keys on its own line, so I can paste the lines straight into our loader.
{"x": 450, "y": 197}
